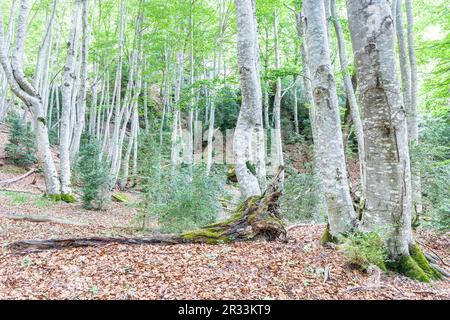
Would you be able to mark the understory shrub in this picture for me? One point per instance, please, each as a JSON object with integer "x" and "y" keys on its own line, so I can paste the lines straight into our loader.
{"x": 93, "y": 175}
{"x": 432, "y": 158}
{"x": 180, "y": 198}
{"x": 21, "y": 146}
{"x": 365, "y": 249}
{"x": 299, "y": 200}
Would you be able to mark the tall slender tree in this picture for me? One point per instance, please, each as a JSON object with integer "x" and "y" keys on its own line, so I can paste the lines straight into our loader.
{"x": 351, "y": 97}
{"x": 250, "y": 115}
{"x": 23, "y": 89}
{"x": 68, "y": 79}
{"x": 413, "y": 126}
{"x": 328, "y": 144}
{"x": 388, "y": 188}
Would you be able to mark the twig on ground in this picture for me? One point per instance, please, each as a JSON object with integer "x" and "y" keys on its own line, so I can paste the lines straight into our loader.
{"x": 15, "y": 179}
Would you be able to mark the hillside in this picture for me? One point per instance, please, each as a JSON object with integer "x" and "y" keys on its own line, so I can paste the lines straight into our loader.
{"x": 299, "y": 269}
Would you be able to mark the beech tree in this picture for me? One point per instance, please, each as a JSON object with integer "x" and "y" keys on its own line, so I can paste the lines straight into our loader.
{"x": 68, "y": 78}
{"x": 24, "y": 90}
{"x": 250, "y": 115}
{"x": 350, "y": 92}
{"x": 388, "y": 188}
{"x": 328, "y": 144}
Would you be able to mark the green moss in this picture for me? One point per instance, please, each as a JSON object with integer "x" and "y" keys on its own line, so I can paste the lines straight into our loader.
{"x": 54, "y": 197}
{"x": 421, "y": 260}
{"x": 410, "y": 268}
{"x": 62, "y": 197}
{"x": 208, "y": 235}
{"x": 327, "y": 237}
{"x": 416, "y": 266}
{"x": 69, "y": 198}
{"x": 119, "y": 197}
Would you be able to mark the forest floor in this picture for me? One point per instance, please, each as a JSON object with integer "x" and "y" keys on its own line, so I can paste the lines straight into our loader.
{"x": 298, "y": 269}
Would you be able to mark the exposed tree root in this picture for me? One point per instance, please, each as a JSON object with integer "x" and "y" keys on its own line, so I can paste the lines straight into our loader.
{"x": 256, "y": 218}
{"x": 432, "y": 254}
{"x": 416, "y": 266}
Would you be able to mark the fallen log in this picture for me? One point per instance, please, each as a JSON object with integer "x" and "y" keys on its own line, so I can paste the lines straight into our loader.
{"x": 257, "y": 217}
{"x": 15, "y": 179}
{"x": 40, "y": 219}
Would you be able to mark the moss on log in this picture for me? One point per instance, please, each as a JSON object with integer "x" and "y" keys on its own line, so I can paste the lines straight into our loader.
{"x": 256, "y": 218}
{"x": 119, "y": 197}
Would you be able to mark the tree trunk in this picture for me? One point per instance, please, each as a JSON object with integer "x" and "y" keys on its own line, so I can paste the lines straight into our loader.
{"x": 320, "y": 205}
{"x": 354, "y": 109}
{"x": 131, "y": 142}
{"x": 277, "y": 100}
{"x": 403, "y": 57}
{"x": 24, "y": 91}
{"x": 250, "y": 115}
{"x": 8, "y": 45}
{"x": 212, "y": 112}
{"x": 413, "y": 127}
{"x": 81, "y": 110}
{"x": 295, "y": 89}
{"x": 329, "y": 146}
{"x": 176, "y": 134}
{"x": 116, "y": 101}
{"x": 388, "y": 202}
{"x": 388, "y": 189}
{"x": 68, "y": 79}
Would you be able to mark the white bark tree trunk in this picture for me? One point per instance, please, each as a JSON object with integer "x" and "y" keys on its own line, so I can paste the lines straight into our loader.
{"x": 277, "y": 100}
{"x": 403, "y": 57}
{"x": 24, "y": 91}
{"x": 295, "y": 89}
{"x": 250, "y": 115}
{"x": 413, "y": 126}
{"x": 330, "y": 150}
{"x": 354, "y": 109}
{"x": 131, "y": 142}
{"x": 320, "y": 206}
{"x": 116, "y": 101}
{"x": 81, "y": 110}
{"x": 68, "y": 79}
{"x": 306, "y": 72}
{"x": 176, "y": 134}
{"x": 388, "y": 187}
{"x": 8, "y": 44}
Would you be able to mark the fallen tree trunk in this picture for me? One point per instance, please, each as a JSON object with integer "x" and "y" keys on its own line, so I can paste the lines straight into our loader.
{"x": 15, "y": 179}
{"x": 40, "y": 219}
{"x": 257, "y": 217}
